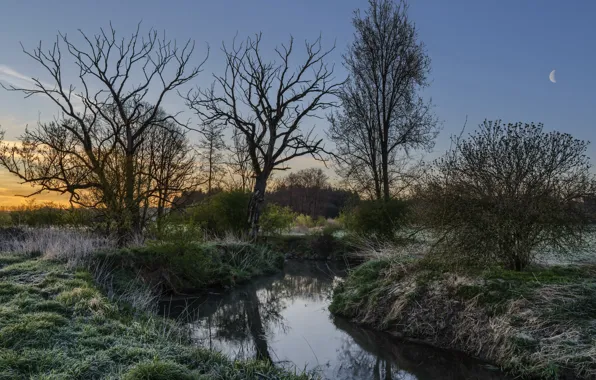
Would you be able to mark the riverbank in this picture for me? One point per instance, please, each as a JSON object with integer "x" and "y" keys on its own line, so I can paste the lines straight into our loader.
{"x": 194, "y": 267}
{"x": 539, "y": 323}
{"x": 56, "y": 323}
{"x": 190, "y": 268}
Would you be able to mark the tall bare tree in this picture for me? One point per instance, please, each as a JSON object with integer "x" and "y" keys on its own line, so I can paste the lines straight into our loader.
{"x": 267, "y": 102}
{"x": 238, "y": 163}
{"x": 107, "y": 109}
{"x": 382, "y": 117}
{"x": 212, "y": 153}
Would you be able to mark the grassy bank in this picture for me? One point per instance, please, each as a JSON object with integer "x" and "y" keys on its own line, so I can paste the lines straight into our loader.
{"x": 55, "y": 323}
{"x": 536, "y": 323}
{"x": 192, "y": 267}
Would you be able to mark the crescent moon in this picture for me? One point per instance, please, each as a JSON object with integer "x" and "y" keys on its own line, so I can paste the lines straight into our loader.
{"x": 552, "y": 76}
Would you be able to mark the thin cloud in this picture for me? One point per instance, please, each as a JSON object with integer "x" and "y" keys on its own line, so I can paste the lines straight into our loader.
{"x": 14, "y": 78}
{"x": 6, "y": 71}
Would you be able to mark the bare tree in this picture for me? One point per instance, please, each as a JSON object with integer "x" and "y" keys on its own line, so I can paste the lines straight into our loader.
{"x": 212, "y": 149}
{"x": 167, "y": 168}
{"x": 382, "y": 117}
{"x": 508, "y": 190}
{"x": 107, "y": 111}
{"x": 267, "y": 103}
{"x": 239, "y": 165}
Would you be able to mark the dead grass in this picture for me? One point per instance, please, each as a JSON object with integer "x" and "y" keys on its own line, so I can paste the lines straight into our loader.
{"x": 71, "y": 245}
{"x": 540, "y": 323}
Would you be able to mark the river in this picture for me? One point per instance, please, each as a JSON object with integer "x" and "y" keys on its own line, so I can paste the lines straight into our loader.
{"x": 285, "y": 318}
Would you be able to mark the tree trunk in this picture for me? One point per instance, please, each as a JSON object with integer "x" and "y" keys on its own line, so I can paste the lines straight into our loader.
{"x": 256, "y": 204}
{"x": 160, "y": 213}
{"x": 133, "y": 213}
{"x": 385, "y": 172}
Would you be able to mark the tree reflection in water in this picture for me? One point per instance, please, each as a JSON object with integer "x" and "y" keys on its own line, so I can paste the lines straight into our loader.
{"x": 283, "y": 314}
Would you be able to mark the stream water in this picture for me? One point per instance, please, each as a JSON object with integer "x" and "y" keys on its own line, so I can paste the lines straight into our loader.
{"x": 285, "y": 318}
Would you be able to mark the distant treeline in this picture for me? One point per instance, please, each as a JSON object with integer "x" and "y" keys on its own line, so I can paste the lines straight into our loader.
{"x": 49, "y": 214}
{"x": 306, "y": 192}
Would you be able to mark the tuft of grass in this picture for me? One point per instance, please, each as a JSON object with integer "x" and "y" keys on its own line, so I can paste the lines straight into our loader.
{"x": 159, "y": 370}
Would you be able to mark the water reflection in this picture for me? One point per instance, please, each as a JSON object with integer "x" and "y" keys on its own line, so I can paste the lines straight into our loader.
{"x": 284, "y": 319}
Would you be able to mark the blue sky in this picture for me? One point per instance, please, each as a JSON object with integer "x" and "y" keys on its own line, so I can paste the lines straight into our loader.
{"x": 490, "y": 59}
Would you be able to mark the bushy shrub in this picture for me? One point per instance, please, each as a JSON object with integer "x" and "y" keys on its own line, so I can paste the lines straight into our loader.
{"x": 506, "y": 192}
{"x": 321, "y": 221}
{"x": 375, "y": 217}
{"x": 179, "y": 267}
{"x": 304, "y": 221}
{"x": 173, "y": 229}
{"x": 276, "y": 219}
{"x": 332, "y": 228}
{"x": 221, "y": 213}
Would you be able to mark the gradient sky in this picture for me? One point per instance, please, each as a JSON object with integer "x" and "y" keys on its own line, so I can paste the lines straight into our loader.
{"x": 490, "y": 59}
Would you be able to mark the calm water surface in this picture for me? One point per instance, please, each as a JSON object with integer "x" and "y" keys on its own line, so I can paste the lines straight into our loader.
{"x": 285, "y": 318}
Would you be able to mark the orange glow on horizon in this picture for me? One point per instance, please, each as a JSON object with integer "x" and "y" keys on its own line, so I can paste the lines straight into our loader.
{"x": 13, "y": 193}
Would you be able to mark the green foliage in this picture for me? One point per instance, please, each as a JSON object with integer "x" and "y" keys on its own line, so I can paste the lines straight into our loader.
{"x": 194, "y": 266}
{"x": 332, "y": 228}
{"x": 324, "y": 245}
{"x": 321, "y": 221}
{"x": 174, "y": 229}
{"x": 304, "y": 221}
{"x": 218, "y": 214}
{"x": 276, "y": 219}
{"x": 223, "y": 212}
{"x": 375, "y": 217}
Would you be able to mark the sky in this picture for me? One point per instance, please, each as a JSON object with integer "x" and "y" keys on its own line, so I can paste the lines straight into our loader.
{"x": 490, "y": 59}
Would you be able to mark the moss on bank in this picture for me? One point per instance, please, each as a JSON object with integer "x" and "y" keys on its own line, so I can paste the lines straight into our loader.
{"x": 56, "y": 324}
{"x": 536, "y": 323}
{"x": 192, "y": 267}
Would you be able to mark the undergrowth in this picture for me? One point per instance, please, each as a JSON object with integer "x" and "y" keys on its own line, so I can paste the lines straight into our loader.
{"x": 56, "y": 324}
{"x": 318, "y": 246}
{"x": 192, "y": 267}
